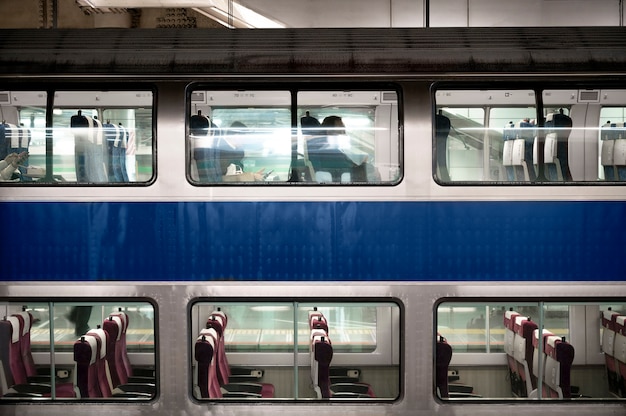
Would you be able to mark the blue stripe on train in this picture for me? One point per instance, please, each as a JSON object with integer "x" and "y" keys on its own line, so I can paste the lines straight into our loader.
{"x": 315, "y": 241}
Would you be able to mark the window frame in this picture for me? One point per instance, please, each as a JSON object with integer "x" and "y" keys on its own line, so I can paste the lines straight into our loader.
{"x": 50, "y": 89}
{"x": 294, "y": 87}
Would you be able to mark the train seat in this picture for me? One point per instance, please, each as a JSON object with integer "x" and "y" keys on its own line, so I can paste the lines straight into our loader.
{"x": 206, "y": 369}
{"x": 559, "y": 356}
{"x": 237, "y": 378}
{"x": 619, "y": 158}
{"x": 14, "y": 380}
{"x": 203, "y": 351}
{"x": 507, "y": 159}
{"x": 556, "y": 150}
{"x": 89, "y": 149}
{"x": 523, "y": 354}
{"x": 114, "y": 327}
{"x": 539, "y": 362}
{"x": 442, "y": 131}
{"x": 321, "y": 357}
{"x": 518, "y": 160}
{"x": 86, "y": 359}
{"x": 443, "y": 357}
{"x": 116, "y": 142}
{"x": 25, "y": 320}
{"x": 620, "y": 353}
{"x": 343, "y": 382}
{"x": 105, "y": 371}
{"x": 206, "y": 383}
{"x": 215, "y": 328}
{"x": 608, "y": 322}
{"x": 236, "y": 373}
{"x": 608, "y": 136}
{"x": 509, "y": 348}
{"x": 553, "y": 164}
{"x": 116, "y": 355}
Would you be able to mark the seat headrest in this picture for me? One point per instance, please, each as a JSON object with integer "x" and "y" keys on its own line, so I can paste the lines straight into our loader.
{"x": 15, "y": 328}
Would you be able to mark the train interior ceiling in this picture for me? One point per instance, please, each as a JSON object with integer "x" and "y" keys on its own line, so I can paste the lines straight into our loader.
{"x": 305, "y": 350}
{"x": 246, "y": 136}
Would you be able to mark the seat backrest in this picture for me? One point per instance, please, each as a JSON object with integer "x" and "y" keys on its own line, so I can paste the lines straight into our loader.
{"x": 443, "y": 358}
{"x": 86, "y": 356}
{"x": 559, "y": 358}
{"x": 442, "y": 131}
{"x": 122, "y": 349}
{"x": 322, "y": 356}
{"x": 608, "y": 136}
{"x": 25, "y": 320}
{"x": 113, "y": 326}
{"x": 539, "y": 344}
{"x": 620, "y": 345}
{"x": 523, "y": 354}
{"x": 205, "y": 350}
{"x": 216, "y": 323}
{"x": 103, "y": 365}
{"x": 509, "y": 332}
{"x": 619, "y": 159}
{"x": 16, "y": 362}
{"x": 6, "y": 375}
{"x": 321, "y": 353}
{"x": 608, "y": 320}
{"x": 559, "y": 126}
{"x": 89, "y": 149}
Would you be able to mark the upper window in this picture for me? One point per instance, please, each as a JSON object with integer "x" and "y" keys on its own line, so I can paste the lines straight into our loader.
{"x": 513, "y": 136}
{"x": 261, "y": 137}
{"x": 85, "y": 137}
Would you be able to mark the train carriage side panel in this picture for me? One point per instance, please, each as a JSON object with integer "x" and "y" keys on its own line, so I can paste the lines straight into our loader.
{"x": 303, "y": 241}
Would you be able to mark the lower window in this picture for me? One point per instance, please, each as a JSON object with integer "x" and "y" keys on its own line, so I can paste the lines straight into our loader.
{"x": 77, "y": 351}
{"x": 295, "y": 350}
{"x": 539, "y": 350}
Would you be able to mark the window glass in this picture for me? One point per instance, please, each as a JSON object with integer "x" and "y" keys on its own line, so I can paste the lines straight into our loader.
{"x": 79, "y": 329}
{"x": 256, "y": 342}
{"x": 501, "y": 136}
{"x": 96, "y": 137}
{"x": 256, "y": 136}
{"x": 22, "y": 135}
{"x": 476, "y": 132}
{"x": 612, "y": 141}
{"x": 481, "y": 344}
{"x": 349, "y": 136}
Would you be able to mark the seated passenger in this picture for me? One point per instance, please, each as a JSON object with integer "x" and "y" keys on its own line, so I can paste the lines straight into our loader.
{"x": 213, "y": 154}
{"x": 309, "y": 124}
{"x": 326, "y": 154}
{"x": 9, "y": 166}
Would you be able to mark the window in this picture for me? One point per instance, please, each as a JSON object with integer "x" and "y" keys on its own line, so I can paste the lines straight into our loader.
{"x": 260, "y": 137}
{"x": 65, "y": 339}
{"x": 273, "y": 344}
{"x": 497, "y": 351}
{"x": 95, "y": 137}
{"x": 503, "y": 136}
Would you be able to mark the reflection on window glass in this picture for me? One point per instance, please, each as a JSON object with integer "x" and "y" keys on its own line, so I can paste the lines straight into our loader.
{"x": 250, "y": 136}
{"x": 347, "y": 350}
{"x": 534, "y": 351}
{"x": 101, "y": 137}
{"x": 499, "y": 136}
{"x": 77, "y": 355}
{"x": 22, "y": 135}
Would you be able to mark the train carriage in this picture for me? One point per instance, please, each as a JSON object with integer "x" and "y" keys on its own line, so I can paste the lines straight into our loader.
{"x": 374, "y": 221}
